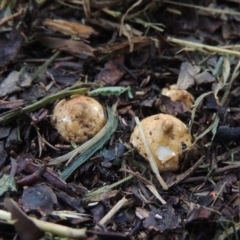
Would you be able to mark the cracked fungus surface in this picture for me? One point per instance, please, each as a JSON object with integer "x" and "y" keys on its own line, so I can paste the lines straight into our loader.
{"x": 79, "y": 118}
{"x": 166, "y": 135}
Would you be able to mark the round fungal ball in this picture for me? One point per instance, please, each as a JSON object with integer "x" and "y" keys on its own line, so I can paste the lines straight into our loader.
{"x": 178, "y": 94}
{"x": 166, "y": 136}
{"x": 79, "y": 118}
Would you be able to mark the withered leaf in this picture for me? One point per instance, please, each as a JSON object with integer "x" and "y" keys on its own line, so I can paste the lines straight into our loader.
{"x": 70, "y": 28}
{"x": 9, "y": 50}
{"x": 6, "y": 105}
{"x": 98, "y": 212}
{"x": 162, "y": 219}
{"x": 186, "y": 75}
{"x": 209, "y": 25}
{"x": 112, "y": 72}
{"x": 40, "y": 198}
{"x": 14, "y": 83}
{"x": 204, "y": 77}
{"x": 3, "y": 155}
{"x": 172, "y": 107}
{"x": 66, "y": 73}
{"x": 74, "y": 47}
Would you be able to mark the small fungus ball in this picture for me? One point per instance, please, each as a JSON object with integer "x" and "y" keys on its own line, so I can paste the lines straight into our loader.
{"x": 79, "y": 118}
{"x": 166, "y": 136}
{"x": 178, "y": 94}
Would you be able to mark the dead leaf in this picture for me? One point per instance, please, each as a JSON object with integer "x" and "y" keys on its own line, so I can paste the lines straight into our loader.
{"x": 204, "y": 77}
{"x": 112, "y": 72}
{"x": 4, "y": 132}
{"x": 162, "y": 219}
{"x": 70, "y": 46}
{"x": 26, "y": 229}
{"x": 209, "y": 25}
{"x": 110, "y": 25}
{"x": 14, "y": 83}
{"x": 98, "y": 212}
{"x": 10, "y": 49}
{"x": 201, "y": 223}
{"x": 3, "y": 155}
{"x": 113, "y": 152}
{"x": 186, "y": 75}
{"x": 13, "y": 104}
{"x": 66, "y": 73}
{"x": 70, "y": 28}
{"x": 40, "y": 198}
{"x": 138, "y": 42}
{"x": 168, "y": 106}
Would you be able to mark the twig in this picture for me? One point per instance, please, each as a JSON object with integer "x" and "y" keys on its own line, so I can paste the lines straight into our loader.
{"x": 150, "y": 156}
{"x": 121, "y": 203}
{"x": 148, "y": 184}
{"x": 206, "y": 9}
{"x": 6, "y": 19}
{"x": 125, "y": 14}
{"x": 188, "y": 172}
{"x": 154, "y": 191}
{"x": 209, "y": 48}
{"x": 49, "y": 227}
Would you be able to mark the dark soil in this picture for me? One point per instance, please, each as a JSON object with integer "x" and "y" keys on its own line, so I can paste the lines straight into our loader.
{"x": 137, "y": 48}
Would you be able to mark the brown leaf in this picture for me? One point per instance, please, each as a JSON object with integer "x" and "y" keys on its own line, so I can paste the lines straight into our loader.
{"x": 111, "y": 73}
{"x": 13, "y": 104}
{"x": 174, "y": 108}
{"x": 138, "y": 43}
{"x": 71, "y": 46}
{"x": 110, "y": 25}
{"x": 70, "y": 28}
{"x": 26, "y": 229}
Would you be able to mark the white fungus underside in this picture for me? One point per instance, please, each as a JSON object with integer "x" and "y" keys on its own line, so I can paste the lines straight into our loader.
{"x": 164, "y": 152}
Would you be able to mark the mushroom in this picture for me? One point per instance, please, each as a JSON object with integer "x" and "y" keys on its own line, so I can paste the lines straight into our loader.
{"x": 179, "y": 94}
{"x": 166, "y": 136}
{"x": 79, "y": 118}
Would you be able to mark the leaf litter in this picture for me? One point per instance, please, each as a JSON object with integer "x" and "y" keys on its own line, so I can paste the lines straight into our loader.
{"x": 122, "y": 54}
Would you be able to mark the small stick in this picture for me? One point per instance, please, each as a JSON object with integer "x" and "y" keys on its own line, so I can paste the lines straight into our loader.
{"x": 6, "y": 19}
{"x": 150, "y": 156}
{"x": 187, "y": 173}
{"x": 203, "y": 46}
{"x": 121, "y": 203}
{"x": 206, "y": 9}
{"x": 49, "y": 227}
{"x": 148, "y": 184}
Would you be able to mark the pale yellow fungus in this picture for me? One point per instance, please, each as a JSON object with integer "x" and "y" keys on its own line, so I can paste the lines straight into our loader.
{"x": 166, "y": 136}
{"x": 79, "y": 118}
